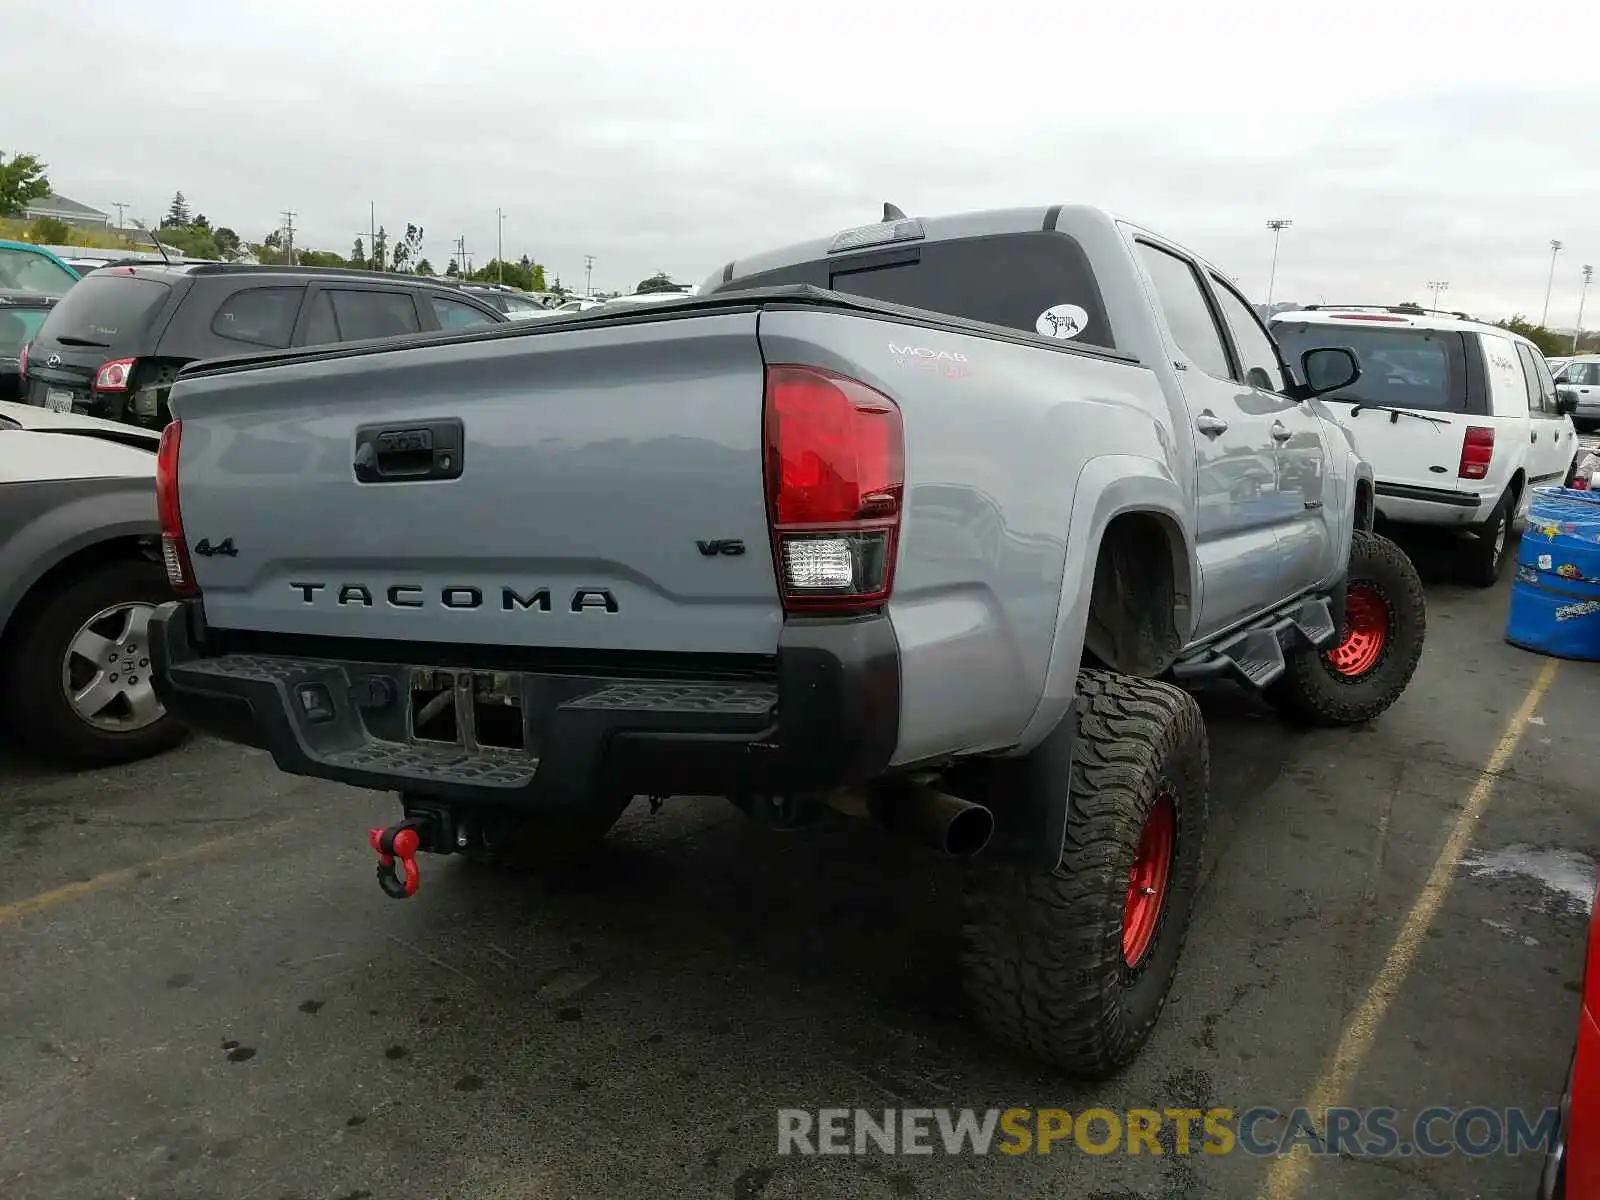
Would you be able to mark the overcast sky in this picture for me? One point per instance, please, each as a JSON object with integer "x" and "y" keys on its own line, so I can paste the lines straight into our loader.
{"x": 1408, "y": 142}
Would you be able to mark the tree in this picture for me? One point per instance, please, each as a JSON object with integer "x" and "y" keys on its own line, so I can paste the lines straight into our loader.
{"x": 358, "y": 254}
{"x": 22, "y": 181}
{"x": 659, "y": 282}
{"x": 1409, "y": 306}
{"x": 453, "y": 271}
{"x": 227, "y": 242}
{"x": 407, "y": 248}
{"x": 47, "y": 231}
{"x": 1549, "y": 342}
{"x": 177, "y": 214}
{"x": 189, "y": 242}
{"x": 273, "y": 240}
{"x": 425, "y": 268}
{"x": 380, "y": 247}
{"x": 321, "y": 258}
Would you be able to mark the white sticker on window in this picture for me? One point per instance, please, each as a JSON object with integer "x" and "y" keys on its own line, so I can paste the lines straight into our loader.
{"x": 1062, "y": 321}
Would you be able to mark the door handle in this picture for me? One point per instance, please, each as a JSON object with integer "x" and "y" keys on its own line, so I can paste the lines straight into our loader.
{"x": 1533, "y": 437}
{"x": 1280, "y": 432}
{"x": 1210, "y": 424}
{"x": 406, "y": 453}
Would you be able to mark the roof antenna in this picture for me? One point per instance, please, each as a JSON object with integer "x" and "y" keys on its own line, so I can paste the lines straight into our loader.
{"x": 144, "y": 229}
{"x": 892, "y": 213}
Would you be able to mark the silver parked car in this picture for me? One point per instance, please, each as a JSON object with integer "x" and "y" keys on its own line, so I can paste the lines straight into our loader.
{"x": 80, "y": 575}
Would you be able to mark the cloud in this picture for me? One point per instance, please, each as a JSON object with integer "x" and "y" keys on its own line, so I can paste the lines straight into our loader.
{"x": 1405, "y": 148}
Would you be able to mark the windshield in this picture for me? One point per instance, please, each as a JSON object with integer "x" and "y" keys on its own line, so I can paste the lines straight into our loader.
{"x": 105, "y": 310}
{"x": 1402, "y": 368}
{"x": 29, "y": 271}
{"x": 18, "y": 325}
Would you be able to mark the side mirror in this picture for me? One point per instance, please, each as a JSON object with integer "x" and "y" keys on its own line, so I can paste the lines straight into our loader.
{"x": 1566, "y": 401}
{"x": 1327, "y": 369}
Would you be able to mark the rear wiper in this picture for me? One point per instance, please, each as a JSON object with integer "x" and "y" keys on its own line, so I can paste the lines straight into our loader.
{"x": 67, "y": 339}
{"x": 1394, "y": 413}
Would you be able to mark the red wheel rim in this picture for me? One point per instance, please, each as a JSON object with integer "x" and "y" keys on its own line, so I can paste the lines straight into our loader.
{"x": 1366, "y": 632}
{"x": 1147, "y": 881}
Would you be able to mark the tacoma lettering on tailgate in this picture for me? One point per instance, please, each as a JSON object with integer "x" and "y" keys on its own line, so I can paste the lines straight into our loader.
{"x": 458, "y": 596}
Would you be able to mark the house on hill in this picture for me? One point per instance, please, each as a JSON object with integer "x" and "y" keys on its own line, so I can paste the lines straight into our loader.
{"x": 68, "y": 211}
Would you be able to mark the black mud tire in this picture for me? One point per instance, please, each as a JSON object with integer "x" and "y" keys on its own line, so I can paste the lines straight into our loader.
{"x": 1044, "y": 967}
{"x": 35, "y": 711}
{"x": 1311, "y": 691}
{"x": 1482, "y": 560}
{"x": 540, "y": 842}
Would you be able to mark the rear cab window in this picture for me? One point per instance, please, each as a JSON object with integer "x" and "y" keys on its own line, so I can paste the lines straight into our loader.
{"x": 106, "y": 310}
{"x": 1037, "y": 282}
{"x": 1401, "y": 366}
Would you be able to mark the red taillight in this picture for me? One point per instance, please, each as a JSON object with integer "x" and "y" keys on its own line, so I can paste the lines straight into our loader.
{"x": 1476, "y": 452}
{"x": 835, "y": 477}
{"x": 113, "y": 376}
{"x": 174, "y": 550}
{"x": 22, "y": 360}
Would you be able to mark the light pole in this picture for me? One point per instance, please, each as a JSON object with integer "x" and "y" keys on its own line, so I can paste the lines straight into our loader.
{"x": 588, "y": 275}
{"x": 499, "y": 247}
{"x": 1277, "y": 225}
{"x": 1588, "y": 274}
{"x": 1438, "y": 285}
{"x": 119, "y": 205}
{"x": 1555, "y": 249}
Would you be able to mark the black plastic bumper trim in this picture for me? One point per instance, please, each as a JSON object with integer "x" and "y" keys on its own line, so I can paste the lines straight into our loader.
{"x": 825, "y": 714}
{"x": 1408, "y": 491}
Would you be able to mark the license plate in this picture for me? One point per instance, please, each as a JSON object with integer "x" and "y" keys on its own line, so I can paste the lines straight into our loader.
{"x": 58, "y": 401}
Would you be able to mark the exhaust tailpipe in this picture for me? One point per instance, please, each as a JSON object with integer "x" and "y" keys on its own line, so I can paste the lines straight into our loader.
{"x": 944, "y": 823}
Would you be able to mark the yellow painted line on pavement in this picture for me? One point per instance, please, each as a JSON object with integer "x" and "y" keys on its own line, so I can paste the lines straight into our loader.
{"x": 1288, "y": 1172}
{"x": 18, "y": 910}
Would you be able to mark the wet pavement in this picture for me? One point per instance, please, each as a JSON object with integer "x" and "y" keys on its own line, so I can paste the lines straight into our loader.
{"x": 206, "y": 995}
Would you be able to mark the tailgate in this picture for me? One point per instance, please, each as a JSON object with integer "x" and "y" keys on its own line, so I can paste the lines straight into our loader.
{"x": 584, "y": 488}
{"x": 1421, "y": 449}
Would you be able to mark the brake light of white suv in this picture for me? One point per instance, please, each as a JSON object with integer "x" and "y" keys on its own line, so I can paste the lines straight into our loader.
{"x": 1476, "y": 452}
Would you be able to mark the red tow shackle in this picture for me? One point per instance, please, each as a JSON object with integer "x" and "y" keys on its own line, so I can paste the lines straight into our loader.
{"x": 400, "y": 842}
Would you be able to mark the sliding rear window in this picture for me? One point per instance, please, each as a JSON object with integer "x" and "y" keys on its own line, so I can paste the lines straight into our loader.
{"x": 1425, "y": 369}
{"x": 1012, "y": 280}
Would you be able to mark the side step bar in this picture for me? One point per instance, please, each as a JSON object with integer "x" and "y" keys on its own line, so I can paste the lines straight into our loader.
{"x": 1255, "y": 655}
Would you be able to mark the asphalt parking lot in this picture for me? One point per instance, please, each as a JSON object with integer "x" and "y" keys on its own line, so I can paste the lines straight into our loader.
{"x": 206, "y": 995}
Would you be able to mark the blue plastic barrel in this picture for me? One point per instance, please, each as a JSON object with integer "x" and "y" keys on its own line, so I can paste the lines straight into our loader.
{"x": 1555, "y": 599}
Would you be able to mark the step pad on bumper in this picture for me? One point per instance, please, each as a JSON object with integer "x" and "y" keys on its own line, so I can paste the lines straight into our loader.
{"x": 438, "y": 763}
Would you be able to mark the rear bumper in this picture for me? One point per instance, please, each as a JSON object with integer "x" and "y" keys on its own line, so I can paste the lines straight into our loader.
{"x": 1409, "y": 504}
{"x": 823, "y": 713}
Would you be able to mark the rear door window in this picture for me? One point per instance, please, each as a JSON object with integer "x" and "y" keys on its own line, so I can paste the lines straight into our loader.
{"x": 105, "y": 310}
{"x": 1541, "y": 388}
{"x": 1037, "y": 282}
{"x": 1189, "y": 315}
{"x": 363, "y": 314}
{"x": 260, "y": 316}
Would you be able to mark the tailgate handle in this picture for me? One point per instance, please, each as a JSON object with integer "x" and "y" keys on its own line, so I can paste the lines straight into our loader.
{"x": 406, "y": 453}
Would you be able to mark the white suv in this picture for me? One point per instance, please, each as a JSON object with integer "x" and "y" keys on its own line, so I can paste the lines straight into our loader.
{"x": 1460, "y": 420}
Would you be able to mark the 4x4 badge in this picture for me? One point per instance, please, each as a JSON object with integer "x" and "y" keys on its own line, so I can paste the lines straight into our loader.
{"x": 226, "y": 548}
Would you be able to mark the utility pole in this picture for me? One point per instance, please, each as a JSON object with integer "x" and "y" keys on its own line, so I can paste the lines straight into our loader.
{"x": 1438, "y": 286}
{"x": 372, "y": 234}
{"x": 461, "y": 256}
{"x": 119, "y": 205}
{"x": 288, "y": 235}
{"x": 1277, "y": 225}
{"x": 1555, "y": 249}
{"x": 499, "y": 246}
{"x": 1588, "y": 274}
{"x": 588, "y": 275}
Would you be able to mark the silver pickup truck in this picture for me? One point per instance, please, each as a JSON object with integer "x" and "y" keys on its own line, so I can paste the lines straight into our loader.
{"x": 920, "y": 523}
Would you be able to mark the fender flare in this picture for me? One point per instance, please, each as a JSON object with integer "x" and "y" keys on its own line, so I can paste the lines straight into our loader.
{"x": 1108, "y": 487}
